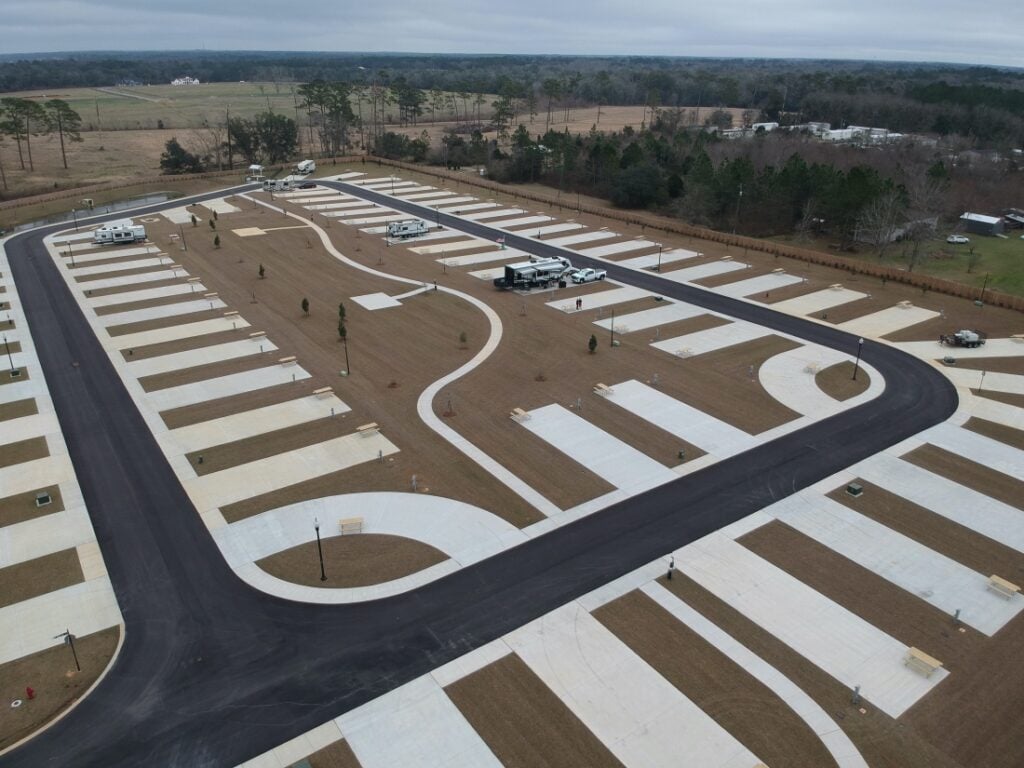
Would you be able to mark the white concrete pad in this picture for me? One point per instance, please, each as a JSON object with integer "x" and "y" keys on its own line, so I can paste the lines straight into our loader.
{"x": 364, "y": 211}
{"x": 446, "y": 201}
{"x": 711, "y": 435}
{"x": 335, "y": 206}
{"x": 120, "y": 266}
{"x": 45, "y": 535}
{"x": 523, "y": 221}
{"x": 582, "y": 237}
{"x": 493, "y": 214}
{"x": 176, "y": 332}
{"x": 374, "y": 301}
{"x": 363, "y": 221}
{"x": 457, "y": 209}
{"x": 817, "y": 301}
{"x": 349, "y": 176}
{"x": 1000, "y": 413}
{"x": 74, "y": 237}
{"x": 191, "y": 358}
{"x": 33, "y": 475}
{"x": 980, "y": 513}
{"x": 933, "y": 350}
{"x": 911, "y": 566}
{"x": 976, "y": 447}
{"x": 712, "y": 339}
{"x": 421, "y": 196}
{"x": 790, "y": 378}
{"x": 388, "y": 184}
{"x": 325, "y": 196}
{"x": 147, "y": 294}
{"x": 642, "y": 718}
{"x": 83, "y": 608}
{"x": 290, "y": 468}
{"x": 413, "y": 189}
{"x": 220, "y": 205}
{"x": 415, "y": 726}
{"x": 180, "y": 215}
{"x": 603, "y": 454}
{"x": 551, "y": 229}
{"x": 667, "y": 312}
{"x": 757, "y": 285}
{"x": 26, "y": 428}
{"x": 459, "y": 245}
{"x": 300, "y": 194}
{"x": 498, "y": 254}
{"x": 141, "y": 277}
{"x": 991, "y": 381}
{"x": 700, "y": 271}
{"x": 601, "y": 299}
{"x": 652, "y": 259}
{"x": 886, "y": 321}
{"x": 624, "y": 246}
{"x": 488, "y": 274}
{"x": 106, "y": 254}
{"x": 224, "y": 386}
{"x": 240, "y": 426}
{"x": 826, "y": 634}
{"x": 160, "y": 312}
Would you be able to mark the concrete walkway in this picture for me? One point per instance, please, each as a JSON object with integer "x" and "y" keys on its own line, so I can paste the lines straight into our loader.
{"x": 791, "y": 378}
{"x": 992, "y": 381}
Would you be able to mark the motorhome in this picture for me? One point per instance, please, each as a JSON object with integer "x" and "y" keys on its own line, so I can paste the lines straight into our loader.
{"x": 124, "y": 231}
{"x": 404, "y": 229}
{"x": 538, "y": 273}
{"x": 306, "y": 166}
{"x": 277, "y": 185}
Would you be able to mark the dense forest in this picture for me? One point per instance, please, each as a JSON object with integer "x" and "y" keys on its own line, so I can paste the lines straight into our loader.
{"x": 982, "y": 103}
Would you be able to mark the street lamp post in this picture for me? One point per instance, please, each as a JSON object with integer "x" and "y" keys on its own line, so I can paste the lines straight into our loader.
{"x": 69, "y": 640}
{"x": 611, "y": 328}
{"x": 319, "y": 549}
{"x": 660, "y": 249}
{"x": 856, "y": 365}
{"x": 344, "y": 341}
{"x": 74, "y": 215}
{"x": 9, "y": 358}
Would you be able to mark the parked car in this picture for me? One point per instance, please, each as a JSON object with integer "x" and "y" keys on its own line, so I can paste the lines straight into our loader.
{"x": 588, "y": 275}
{"x": 958, "y": 239}
{"x": 307, "y": 185}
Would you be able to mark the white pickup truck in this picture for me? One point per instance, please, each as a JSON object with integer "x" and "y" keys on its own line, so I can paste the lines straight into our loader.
{"x": 588, "y": 275}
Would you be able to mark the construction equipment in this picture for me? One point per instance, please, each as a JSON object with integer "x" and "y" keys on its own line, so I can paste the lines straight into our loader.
{"x": 964, "y": 338}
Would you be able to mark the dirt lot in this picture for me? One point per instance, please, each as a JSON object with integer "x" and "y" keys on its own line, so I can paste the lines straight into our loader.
{"x": 523, "y": 723}
{"x": 837, "y": 381}
{"x": 51, "y": 673}
{"x": 352, "y": 561}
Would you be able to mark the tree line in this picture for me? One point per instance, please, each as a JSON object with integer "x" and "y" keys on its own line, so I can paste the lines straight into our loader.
{"x": 23, "y": 119}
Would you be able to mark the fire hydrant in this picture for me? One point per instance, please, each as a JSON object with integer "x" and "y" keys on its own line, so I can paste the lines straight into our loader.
{"x": 30, "y": 693}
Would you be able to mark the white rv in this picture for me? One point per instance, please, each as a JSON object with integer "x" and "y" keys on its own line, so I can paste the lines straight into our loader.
{"x": 277, "y": 185}
{"x": 404, "y": 229}
{"x": 306, "y": 166}
{"x": 124, "y": 231}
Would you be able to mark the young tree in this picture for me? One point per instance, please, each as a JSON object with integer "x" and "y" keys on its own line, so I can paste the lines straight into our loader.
{"x": 592, "y": 344}
{"x": 66, "y": 121}
{"x": 263, "y": 272}
{"x": 213, "y": 224}
{"x": 195, "y": 221}
{"x": 216, "y": 241}
{"x": 305, "y": 306}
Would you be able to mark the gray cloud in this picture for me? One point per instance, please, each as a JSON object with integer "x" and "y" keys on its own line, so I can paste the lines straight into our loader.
{"x": 915, "y": 30}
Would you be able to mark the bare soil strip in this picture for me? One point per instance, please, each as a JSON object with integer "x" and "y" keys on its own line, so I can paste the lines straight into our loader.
{"x": 247, "y": 401}
{"x": 837, "y": 381}
{"x": 352, "y": 561}
{"x": 18, "y": 409}
{"x": 1013, "y": 365}
{"x": 336, "y": 755}
{"x": 22, "y": 451}
{"x": 938, "y": 533}
{"x": 22, "y": 507}
{"x": 523, "y": 722}
{"x": 6, "y": 378}
{"x": 56, "y": 684}
{"x": 165, "y": 322}
{"x": 182, "y": 345}
{"x": 736, "y": 700}
{"x": 211, "y": 371}
{"x": 1000, "y": 432}
{"x": 1003, "y": 397}
{"x": 969, "y": 473}
{"x": 32, "y": 578}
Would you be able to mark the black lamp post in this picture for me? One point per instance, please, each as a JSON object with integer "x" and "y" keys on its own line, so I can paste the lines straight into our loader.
{"x": 69, "y": 640}
{"x": 660, "y": 249}
{"x": 74, "y": 215}
{"x": 319, "y": 548}
{"x": 856, "y": 365}
{"x": 9, "y": 358}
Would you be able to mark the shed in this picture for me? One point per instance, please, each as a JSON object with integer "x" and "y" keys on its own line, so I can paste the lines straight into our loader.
{"x": 979, "y": 224}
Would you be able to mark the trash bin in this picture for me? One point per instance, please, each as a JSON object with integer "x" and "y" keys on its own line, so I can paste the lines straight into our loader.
{"x": 561, "y": 283}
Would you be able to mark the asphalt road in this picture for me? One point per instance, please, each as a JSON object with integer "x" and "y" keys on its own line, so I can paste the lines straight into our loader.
{"x": 213, "y": 673}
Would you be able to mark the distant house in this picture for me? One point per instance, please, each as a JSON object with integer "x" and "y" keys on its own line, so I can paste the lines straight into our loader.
{"x": 186, "y": 80}
{"x": 978, "y": 224}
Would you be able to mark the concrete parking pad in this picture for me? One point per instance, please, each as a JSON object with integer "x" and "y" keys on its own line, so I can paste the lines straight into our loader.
{"x": 668, "y": 312}
{"x": 980, "y": 513}
{"x": 499, "y": 254}
{"x": 220, "y": 205}
{"x": 363, "y": 221}
{"x": 817, "y": 301}
{"x": 180, "y": 215}
{"x": 641, "y": 717}
{"x": 911, "y": 566}
{"x": 457, "y": 209}
{"x": 27, "y": 427}
{"x": 415, "y": 726}
{"x": 388, "y": 184}
{"x": 224, "y": 386}
{"x": 761, "y": 284}
{"x": 983, "y": 450}
{"x": 240, "y": 426}
{"x": 493, "y": 214}
{"x": 160, "y": 312}
{"x": 176, "y": 332}
{"x": 333, "y": 206}
{"x": 1000, "y": 413}
{"x": 582, "y": 237}
{"x": 992, "y": 381}
{"x": 622, "y": 293}
{"x": 120, "y": 266}
{"x": 191, "y": 358}
{"x": 265, "y": 475}
{"x": 41, "y": 536}
{"x": 712, "y": 339}
{"x": 65, "y": 237}
{"x": 35, "y": 474}
{"x": 620, "y": 464}
{"x": 374, "y": 301}
{"x": 107, "y": 253}
{"x": 886, "y": 321}
{"x": 420, "y": 196}
{"x": 711, "y": 435}
{"x": 142, "y": 277}
{"x": 523, "y": 221}
{"x": 600, "y": 251}
{"x": 700, "y": 271}
{"x": 458, "y": 245}
{"x": 147, "y": 294}
{"x": 364, "y": 211}
{"x": 842, "y": 644}
{"x": 652, "y": 259}
{"x": 447, "y": 201}
{"x": 551, "y": 229}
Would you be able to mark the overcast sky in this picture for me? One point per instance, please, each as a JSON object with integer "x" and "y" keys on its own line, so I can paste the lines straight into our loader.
{"x": 904, "y": 30}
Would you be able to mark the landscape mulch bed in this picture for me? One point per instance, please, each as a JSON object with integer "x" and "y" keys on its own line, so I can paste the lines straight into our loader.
{"x": 837, "y": 381}
{"x": 1003, "y": 397}
{"x": 6, "y": 378}
{"x": 191, "y": 342}
{"x": 1000, "y": 432}
{"x": 1014, "y": 365}
{"x": 51, "y": 674}
{"x": 31, "y": 578}
{"x": 352, "y": 561}
{"x": 523, "y": 722}
{"x": 18, "y": 409}
{"x": 23, "y": 450}
{"x": 226, "y": 406}
{"x": 165, "y": 322}
{"x": 22, "y": 507}
{"x": 745, "y": 707}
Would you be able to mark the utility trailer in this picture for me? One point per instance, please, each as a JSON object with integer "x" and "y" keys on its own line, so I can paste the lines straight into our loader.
{"x": 964, "y": 338}
{"x": 539, "y": 273}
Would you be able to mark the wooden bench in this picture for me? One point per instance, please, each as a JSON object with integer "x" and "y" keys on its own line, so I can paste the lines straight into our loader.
{"x": 258, "y": 335}
{"x": 603, "y": 389}
{"x": 1018, "y": 337}
{"x": 324, "y": 391}
{"x": 290, "y": 360}
{"x": 368, "y": 429}
{"x": 1002, "y": 587}
{"x": 211, "y": 295}
{"x": 778, "y": 271}
{"x": 836, "y": 287}
{"x": 921, "y": 662}
{"x": 350, "y": 525}
{"x": 812, "y": 368}
{"x": 518, "y": 414}
{"x": 231, "y": 314}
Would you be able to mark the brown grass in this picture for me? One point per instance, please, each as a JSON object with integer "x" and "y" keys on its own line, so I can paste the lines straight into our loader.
{"x": 837, "y": 381}
{"x": 737, "y": 701}
{"x": 22, "y": 507}
{"x": 22, "y": 451}
{"x": 1000, "y": 432}
{"x": 1013, "y": 365}
{"x": 213, "y": 409}
{"x": 936, "y": 532}
{"x": 523, "y": 722}
{"x": 18, "y": 409}
{"x": 211, "y": 371}
{"x": 165, "y": 322}
{"x": 352, "y": 561}
{"x": 990, "y": 482}
{"x": 1003, "y": 397}
{"x": 336, "y": 755}
{"x": 6, "y": 378}
{"x": 51, "y": 673}
{"x": 32, "y": 578}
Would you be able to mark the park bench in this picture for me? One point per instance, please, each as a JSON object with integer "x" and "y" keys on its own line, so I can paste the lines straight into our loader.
{"x": 921, "y": 662}
{"x": 213, "y": 295}
{"x": 778, "y": 271}
{"x": 349, "y": 525}
{"x": 836, "y": 287}
{"x": 518, "y": 414}
{"x": 290, "y": 360}
{"x": 258, "y": 335}
{"x": 368, "y": 429}
{"x": 231, "y": 314}
{"x": 324, "y": 391}
{"x": 1002, "y": 587}
{"x": 905, "y": 304}
{"x": 1018, "y": 337}
{"x": 603, "y": 389}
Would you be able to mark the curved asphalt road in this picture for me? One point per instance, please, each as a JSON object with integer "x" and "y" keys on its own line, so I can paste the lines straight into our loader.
{"x": 213, "y": 672}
